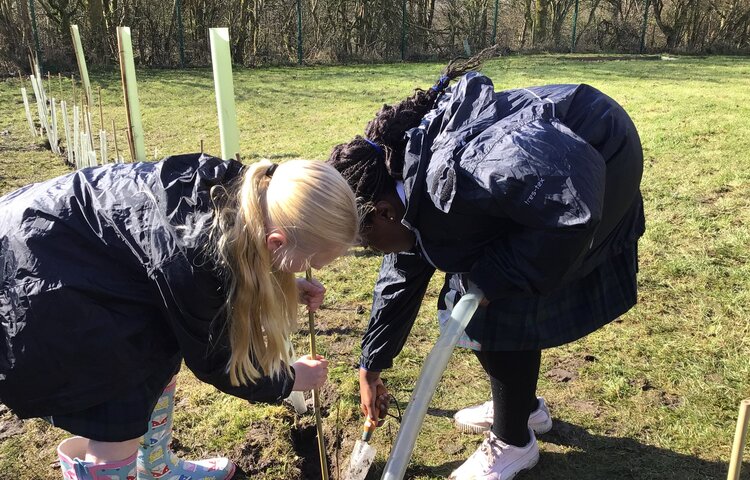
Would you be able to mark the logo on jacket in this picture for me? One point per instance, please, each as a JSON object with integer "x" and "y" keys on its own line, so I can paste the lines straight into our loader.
{"x": 534, "y": 191}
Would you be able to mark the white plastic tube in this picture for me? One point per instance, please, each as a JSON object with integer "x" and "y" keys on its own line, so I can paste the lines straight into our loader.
{"x": 53, "y": 132}
{"x": 77, "y": 136}
{"x": 40, "y": 103}
{"x": 84, "y": 150}
{"x": 297, "y": 399}
{"x": 28, "y": 111}
{"x": 432, "y": 371}
{"x": 66, "y": 126}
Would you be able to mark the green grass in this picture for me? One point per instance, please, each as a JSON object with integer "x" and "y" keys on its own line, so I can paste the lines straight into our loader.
{"x": 652, "y": 396}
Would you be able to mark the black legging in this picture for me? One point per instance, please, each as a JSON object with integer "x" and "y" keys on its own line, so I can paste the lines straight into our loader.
{"x": 513, "y": 378}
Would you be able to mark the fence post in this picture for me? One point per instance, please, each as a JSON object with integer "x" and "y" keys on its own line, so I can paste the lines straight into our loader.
{"x": 32, "y": 14}
{"x": 403, "y": 30}
{"x": 494, "y": 23}
{"x": 299, "y": 32}
{"x": 575, "y": 23}
{"x": 180, "y": 32}
{"x": 645, "y": 24}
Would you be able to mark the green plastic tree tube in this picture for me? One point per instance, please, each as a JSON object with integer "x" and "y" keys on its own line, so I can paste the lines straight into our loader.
{"x": 130, "y": 92}
{"x": 221, "y": 61}
{"x": 82, "y": 69}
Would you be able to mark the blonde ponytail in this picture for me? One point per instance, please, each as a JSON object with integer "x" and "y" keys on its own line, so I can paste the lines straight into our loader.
{"x": 312, "y": 205}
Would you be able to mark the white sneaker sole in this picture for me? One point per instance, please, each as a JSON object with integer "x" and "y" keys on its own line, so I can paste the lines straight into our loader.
{"x": 539, "y": 429}
{"x": 469, "y": 428}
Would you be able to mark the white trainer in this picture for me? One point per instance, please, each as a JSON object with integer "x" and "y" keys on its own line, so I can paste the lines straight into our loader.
{"x": 496, "y": 460}
{"x": 479, "y": 418}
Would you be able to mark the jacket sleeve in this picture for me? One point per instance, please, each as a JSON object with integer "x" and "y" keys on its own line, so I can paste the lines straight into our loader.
{"x": 550, "y": 183}
{"x": 398, "y": 294}
{"x": 192, "y": 298}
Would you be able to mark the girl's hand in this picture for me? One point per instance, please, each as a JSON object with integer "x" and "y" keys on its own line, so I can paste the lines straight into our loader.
{"x": 310, "y": 374}
{"x": 310, "y": 293}
{"x": 373, "y": 395}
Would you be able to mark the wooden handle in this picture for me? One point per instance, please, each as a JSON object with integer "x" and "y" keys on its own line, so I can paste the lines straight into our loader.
{"x": 740, "y": 434}
{"x": 316, "y": 397}
{"x": 311, "y": 320}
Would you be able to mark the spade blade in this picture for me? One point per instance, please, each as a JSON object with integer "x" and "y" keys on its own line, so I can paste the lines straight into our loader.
{"x": 360, "y": 461}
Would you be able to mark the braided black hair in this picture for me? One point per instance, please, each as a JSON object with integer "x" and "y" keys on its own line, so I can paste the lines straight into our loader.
{"x": 371, "y": 169}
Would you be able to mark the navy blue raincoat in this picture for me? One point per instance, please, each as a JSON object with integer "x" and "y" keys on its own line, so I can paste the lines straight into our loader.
{"x": 532, "y": 194}
{"x": 104, "y": 283}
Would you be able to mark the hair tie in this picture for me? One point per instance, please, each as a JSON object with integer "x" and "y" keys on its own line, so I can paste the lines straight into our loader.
{"x": 375, "y": 147}
{"x": 441, "y": 84}
{"x": 272, "y": 168}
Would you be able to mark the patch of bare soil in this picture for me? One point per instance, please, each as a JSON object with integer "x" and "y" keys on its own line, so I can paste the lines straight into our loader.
{"x": 9, "y": 424}
{"x": 566, "y": 369}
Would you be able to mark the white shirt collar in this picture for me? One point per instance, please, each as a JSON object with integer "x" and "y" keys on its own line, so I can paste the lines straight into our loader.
{"x": 400, "y": 191}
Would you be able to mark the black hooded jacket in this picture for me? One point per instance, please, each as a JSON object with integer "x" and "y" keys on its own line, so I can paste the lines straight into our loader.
{"x": 105, "y": 282}
{"x": 524, "y": 192}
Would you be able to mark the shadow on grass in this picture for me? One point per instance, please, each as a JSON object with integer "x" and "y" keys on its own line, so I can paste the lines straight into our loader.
{"x": 441, "y": 412}
{"x": 570, "y": 451}
{"x": 365, "y": 252}
{"x": 597, "y": 456}
{"x": 338, "y": 330}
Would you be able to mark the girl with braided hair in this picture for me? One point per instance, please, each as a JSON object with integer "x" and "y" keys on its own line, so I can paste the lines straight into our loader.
{"x": 531, "y": 194}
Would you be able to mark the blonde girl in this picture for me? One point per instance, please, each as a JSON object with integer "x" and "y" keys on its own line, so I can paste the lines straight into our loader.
{"x": 113, "y": 276}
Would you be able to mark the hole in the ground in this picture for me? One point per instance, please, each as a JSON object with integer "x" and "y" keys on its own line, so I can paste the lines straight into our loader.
{"x": 305, "y": 441}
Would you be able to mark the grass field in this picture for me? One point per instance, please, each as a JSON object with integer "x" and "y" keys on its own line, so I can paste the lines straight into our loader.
{"x": 653, "y": 395}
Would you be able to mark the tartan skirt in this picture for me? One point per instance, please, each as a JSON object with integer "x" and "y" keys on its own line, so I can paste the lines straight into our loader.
{"x": 122, "y": 418}
{"x": 567, "y": 314}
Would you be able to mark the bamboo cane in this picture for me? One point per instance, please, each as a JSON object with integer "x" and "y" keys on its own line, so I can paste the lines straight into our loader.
{"x": 89, "y": 128}
{"x": 103, "y": 145}
{"x": 740, "y": 436}
{"x": 117, "y": 149}
{"x": 316, "y": 397}
{"x": 101, "y": 111}
{"x": 73, "y": 84}
{"x": 102, "y": 132}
